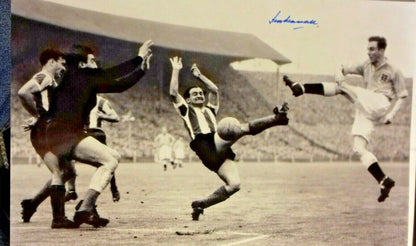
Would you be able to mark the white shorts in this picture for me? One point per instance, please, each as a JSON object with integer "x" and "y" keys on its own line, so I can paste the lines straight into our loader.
{"x": 370, "y": 108}
{"x": 165, "y": 153}
{"x": 179, "y": 154}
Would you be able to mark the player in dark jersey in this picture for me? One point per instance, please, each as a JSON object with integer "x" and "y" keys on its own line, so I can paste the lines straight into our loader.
{"x": 63, "y": 126}
{"x": 101, "y": 112}
{"x": 200, "y": 120}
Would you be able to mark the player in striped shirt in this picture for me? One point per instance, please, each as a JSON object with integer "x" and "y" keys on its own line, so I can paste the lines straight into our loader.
{"x": 35, "y": 96}
{"x": 215, "y": 153}
{"x": 377, "y": 103}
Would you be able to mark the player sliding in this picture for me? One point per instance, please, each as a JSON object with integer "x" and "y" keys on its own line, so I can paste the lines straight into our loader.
{"x": 376, "y": 104}
{"x": 214, "y": 150}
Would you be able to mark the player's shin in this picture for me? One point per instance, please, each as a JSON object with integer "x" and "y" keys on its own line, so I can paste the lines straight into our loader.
{"x": 259, "y": 125}
{"x": 324, "y": 88}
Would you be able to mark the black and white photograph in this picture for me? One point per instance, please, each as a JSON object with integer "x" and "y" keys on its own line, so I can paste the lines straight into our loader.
{"x": 211, "y": 122}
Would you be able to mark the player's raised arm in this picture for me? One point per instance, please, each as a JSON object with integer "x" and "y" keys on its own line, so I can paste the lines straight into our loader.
{"x": 174, "y": 81}
{"x": 213, "y": 97}
{"x": 125, "y": 75}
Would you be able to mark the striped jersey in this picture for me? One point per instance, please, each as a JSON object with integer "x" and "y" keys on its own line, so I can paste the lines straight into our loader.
{"x": 102, "y": 107}
{"x": 197, "y": 120}
{"x": 46, "y": 83}
{"x": 384, "y": 79}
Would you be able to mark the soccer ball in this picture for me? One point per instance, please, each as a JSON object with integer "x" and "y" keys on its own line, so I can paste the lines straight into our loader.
{"x": 228, "y": 128}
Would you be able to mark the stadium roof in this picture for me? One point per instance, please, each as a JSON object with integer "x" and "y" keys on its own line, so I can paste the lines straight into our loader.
{"x": 231, "y": 44}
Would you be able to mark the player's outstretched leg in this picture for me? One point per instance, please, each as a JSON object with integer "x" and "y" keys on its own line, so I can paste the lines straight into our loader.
{"x": 279, "y": 118}
{"x": 114, "y": 189}
{"x": 323, "y": 88}
{"x": 29, "y": 206}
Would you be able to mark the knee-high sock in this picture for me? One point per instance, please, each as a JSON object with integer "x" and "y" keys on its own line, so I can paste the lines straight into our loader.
{"x": 324, "y": 88}
{"x": 42, "y": 194}
{"x": 89, "y": 200}
{"x": 58, "y": 201}
{"x": 259, "y": 125}
{"x": 221, "y": 194}
{"x": 113, "y": 184}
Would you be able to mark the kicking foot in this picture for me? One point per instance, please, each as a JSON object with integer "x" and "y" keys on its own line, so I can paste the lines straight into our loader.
{"x": 297, "y": 88}
{"x": 386, "y": 185}
{"x": 71, "y": 195}
{"x": 27, "y": 210}
{"x": 282, "y": 113}
{"x": 196, "y": 210}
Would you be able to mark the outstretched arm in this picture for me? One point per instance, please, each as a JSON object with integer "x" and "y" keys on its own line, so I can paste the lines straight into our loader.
{"x": 125, "y": 75}
{"x": 174, "y": 81}
{"x": 209, "y": 85}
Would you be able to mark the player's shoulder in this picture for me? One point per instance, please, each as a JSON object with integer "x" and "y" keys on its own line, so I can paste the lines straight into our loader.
{"x": 41, "y": 76}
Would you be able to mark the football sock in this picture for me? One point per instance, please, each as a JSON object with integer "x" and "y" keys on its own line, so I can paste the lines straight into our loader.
{"x": 90, "y": 200}
{"x": 113, "y": 184}
{"x": 218, "y": 196}
{"x": 316, "y": 88}
{"x": 376, "y": 171}
{"x": 42, "y": 194}
{"x": 259, "y": 125}
{"x": 58, "y": 201}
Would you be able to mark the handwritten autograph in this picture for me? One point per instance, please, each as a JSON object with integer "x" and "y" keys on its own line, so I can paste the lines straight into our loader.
{"x": 289, "y": 20}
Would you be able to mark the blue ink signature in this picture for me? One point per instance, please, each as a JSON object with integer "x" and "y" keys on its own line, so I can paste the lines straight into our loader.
{"x": 289, "y": 20}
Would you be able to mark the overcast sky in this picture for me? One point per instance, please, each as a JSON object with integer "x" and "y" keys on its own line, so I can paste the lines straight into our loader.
{"x": 337, "y": 33}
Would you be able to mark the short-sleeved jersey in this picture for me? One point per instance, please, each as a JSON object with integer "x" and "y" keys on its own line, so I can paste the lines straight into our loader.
{"x": 46, "y": 84}
{"x": 384, "y": 79}
{"x": 197, "y": 120}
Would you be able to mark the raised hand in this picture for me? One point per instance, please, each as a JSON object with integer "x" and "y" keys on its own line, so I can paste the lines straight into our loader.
{"x": 176, "y": 63}
{"x": 195, "y": 71}
{"x": 144, "y": 50}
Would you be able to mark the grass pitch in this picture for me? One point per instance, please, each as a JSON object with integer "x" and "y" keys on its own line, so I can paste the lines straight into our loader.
{"x": 279, "y": 204}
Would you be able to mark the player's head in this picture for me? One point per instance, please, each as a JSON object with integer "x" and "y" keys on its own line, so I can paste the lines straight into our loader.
{"x": 376, "y": 47}
{"x": 195, "y": 96}
{"x": 84, "y": 56}
{"x": 53, "y": 59}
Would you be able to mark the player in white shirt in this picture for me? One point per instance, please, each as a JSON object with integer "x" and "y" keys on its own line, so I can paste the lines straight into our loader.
{"x": 163, "y": 144}
{"x": 178, "y": 152}
{"x": 375, "y": 104}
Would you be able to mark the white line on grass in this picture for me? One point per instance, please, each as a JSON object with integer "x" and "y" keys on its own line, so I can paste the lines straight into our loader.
{"x": 255, "y": 236}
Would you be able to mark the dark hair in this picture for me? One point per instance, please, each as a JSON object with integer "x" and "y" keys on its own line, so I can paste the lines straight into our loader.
{"x": 186, "y": 94}
{"x": 48, "y": 54}
{"x": 82, "y": 51}
{"x": 381, "y": 41}
{"x": 79, "y": 53}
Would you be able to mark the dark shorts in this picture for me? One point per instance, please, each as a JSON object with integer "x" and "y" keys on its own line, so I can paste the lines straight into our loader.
{"x": 97, "y": 134}
{"x": 204, "y": 147}
{"x": 56, "y": 137}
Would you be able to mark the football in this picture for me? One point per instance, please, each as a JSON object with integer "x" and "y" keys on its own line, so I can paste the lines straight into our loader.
{"x": 228, "y": 128}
